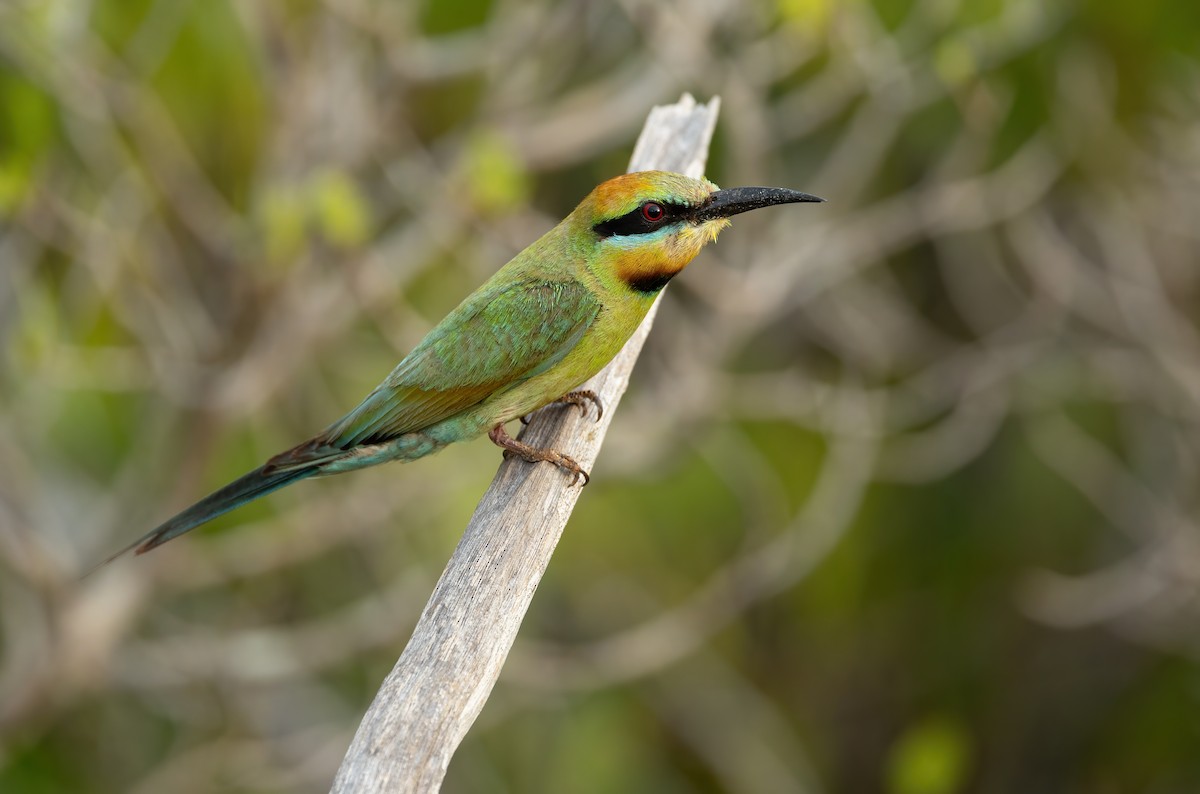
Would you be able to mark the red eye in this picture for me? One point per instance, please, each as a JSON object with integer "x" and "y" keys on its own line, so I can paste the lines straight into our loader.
{"x": 653, "y": 212}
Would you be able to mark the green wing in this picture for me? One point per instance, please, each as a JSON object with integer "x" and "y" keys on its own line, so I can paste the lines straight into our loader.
{"x": 493, "y": 340}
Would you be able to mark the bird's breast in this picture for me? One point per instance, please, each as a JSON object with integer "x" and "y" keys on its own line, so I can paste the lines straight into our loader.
{"x": 603, "y": 340}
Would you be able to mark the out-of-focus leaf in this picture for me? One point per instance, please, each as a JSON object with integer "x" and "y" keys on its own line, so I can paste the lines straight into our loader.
{"x": 340, "y": 210}
{"x": 282, "y": 218}
{"x": 496, "y": 179}
{"x": 805, "y": 14}
{"x": 36, "y": 330}
{"x": 439, "y": 18}
{"x": 95, "y": 430}
{"x": 954, "y": 62}
{"x": 210, "y": 81}
{"x": 28, "y": 124}
{"x": 14, "y": 182}
{"x": 930, "y": 757}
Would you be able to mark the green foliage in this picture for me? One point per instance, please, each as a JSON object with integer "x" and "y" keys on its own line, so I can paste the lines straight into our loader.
{"x": 328, "y": 204}
{"x": 494, "y": 176}
{"x": 283, "y": 218}
{"x": 439, "y": 18}
{"x": 930, "y": 757}
{"x": 807, "y": 15}
{"x": 341, "y": 211}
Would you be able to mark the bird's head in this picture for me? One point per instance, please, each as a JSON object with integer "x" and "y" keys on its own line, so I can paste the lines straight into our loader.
{"x": 647, "y": 226}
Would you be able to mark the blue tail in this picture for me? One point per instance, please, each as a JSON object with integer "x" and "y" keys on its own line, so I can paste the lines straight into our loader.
{"x": 246, "y": 488}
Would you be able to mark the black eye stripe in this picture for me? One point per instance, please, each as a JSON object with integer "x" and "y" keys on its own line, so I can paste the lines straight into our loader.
{"x": 635, "y": 223}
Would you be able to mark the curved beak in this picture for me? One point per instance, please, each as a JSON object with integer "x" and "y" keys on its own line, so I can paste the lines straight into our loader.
{"x": 733, "y": 201}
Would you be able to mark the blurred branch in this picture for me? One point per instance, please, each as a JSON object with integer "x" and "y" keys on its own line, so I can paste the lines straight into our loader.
{"x": 750, "y": 578}
{"x": 444, "y": 677}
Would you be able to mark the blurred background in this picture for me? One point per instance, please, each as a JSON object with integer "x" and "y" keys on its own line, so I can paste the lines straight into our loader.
{"x": 903, "y": 496}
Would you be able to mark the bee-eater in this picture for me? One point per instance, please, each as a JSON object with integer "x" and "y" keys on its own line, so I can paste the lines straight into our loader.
{"x": 542, "y": 325}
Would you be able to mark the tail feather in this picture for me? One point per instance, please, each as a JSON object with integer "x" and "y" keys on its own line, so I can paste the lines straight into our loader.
{"x": 246, "y": 488}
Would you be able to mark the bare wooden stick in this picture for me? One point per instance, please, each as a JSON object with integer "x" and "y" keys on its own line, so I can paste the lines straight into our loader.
{"x": 443, "y": 678}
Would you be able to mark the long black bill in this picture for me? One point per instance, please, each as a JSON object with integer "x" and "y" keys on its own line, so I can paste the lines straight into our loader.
{"x": 725, "y": 203}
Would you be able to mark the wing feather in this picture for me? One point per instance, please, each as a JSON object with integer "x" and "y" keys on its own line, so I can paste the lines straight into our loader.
{"x": 493, "y": 340}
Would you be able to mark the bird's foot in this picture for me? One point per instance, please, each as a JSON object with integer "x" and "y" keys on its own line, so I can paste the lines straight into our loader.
{"x": 581, "y": 399}
{"x": 510, "y": 445}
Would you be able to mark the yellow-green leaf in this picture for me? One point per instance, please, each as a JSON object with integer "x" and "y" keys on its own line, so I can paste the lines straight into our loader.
{"x": 496, "y": 179}
{"x": 930, "y": 757}
{"x": 342, "y": 214}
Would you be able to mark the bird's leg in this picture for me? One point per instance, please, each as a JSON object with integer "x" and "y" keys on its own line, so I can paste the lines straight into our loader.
{"x": 509, "y": 444}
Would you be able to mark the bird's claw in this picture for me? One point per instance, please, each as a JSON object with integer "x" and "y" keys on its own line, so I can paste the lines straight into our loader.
{"x": 581, "y": 398}
{"x": 576, "y": 470}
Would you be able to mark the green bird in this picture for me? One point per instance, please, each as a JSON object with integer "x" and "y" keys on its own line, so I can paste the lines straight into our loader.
{"x": 542, "y": 325}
